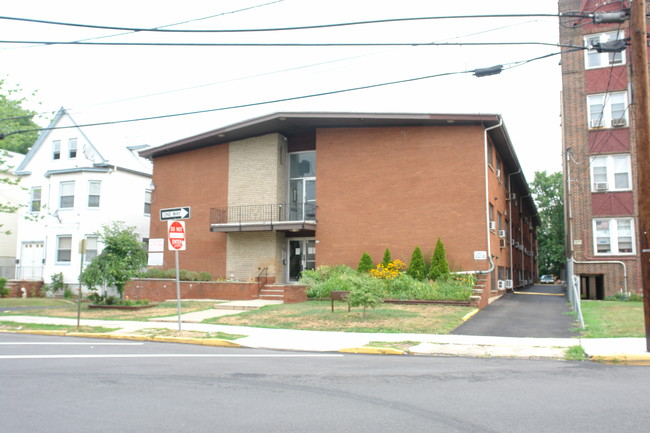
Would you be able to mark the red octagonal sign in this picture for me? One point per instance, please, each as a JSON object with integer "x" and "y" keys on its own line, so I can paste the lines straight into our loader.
{"x": 176, "y": 235}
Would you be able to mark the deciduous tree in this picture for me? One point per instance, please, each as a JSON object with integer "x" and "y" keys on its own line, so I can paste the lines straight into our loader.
{"x": 547, "y": 190}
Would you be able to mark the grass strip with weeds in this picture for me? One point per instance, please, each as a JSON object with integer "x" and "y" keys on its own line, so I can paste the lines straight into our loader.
{"x": 399, "y": 345}
{"x": 18, "y": 326}
{"x": 317, "y": 316}
{"x": 575, "y": 353}
{"x": 163, "y": 332}
{"x": 164, "y": 309}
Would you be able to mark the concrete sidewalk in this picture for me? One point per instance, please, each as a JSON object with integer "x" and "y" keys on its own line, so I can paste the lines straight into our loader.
{"x": 614, "y": 350}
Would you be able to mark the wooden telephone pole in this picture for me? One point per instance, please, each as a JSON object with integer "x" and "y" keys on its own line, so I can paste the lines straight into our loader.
{"x": 641, "y": 88}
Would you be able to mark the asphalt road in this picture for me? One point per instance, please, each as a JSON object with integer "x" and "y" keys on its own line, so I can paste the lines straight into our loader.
{"x": 74, "y": 385}
{"x": 539, "y": 311}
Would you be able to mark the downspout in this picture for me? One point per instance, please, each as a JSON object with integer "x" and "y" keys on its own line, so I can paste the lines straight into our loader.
{"x": 523, "y": 260}
{"x": 604, "y": 262}
{"x": 487, "y": 202}
{"x": 512, "y": 276}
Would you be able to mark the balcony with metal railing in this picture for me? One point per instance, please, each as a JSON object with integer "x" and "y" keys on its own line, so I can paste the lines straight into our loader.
{"x": 266, "y": 217}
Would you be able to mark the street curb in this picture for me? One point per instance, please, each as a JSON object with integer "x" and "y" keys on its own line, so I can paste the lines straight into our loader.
{"x": 469, "y": 315}
{"x": 622, "y": 359}
{"x": 373, "y": 350}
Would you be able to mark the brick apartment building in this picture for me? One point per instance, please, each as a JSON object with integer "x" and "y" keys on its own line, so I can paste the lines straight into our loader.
{"x": 293, "y": 191}
{"x": 601, "y": 185}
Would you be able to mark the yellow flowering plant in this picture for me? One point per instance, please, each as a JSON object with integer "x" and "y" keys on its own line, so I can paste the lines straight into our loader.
{"x": 389, "y": 271}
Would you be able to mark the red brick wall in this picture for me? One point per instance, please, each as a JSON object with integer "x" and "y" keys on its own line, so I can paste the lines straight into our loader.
{"x": 399, "y": 188}
{"x": 161, "y": 290}
{"x": 198, "y": 179}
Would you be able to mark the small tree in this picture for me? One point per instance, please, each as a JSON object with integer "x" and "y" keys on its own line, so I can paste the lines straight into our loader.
{"x": 365, "y": 295}
{"x": 417, "y": 268}
{"x": 365, "y": 263}
{"x": 387, "y": 258}
{"x": 4, "y": 291}
{"x": 439, "y": 266}
{"x": 123, "y": 258}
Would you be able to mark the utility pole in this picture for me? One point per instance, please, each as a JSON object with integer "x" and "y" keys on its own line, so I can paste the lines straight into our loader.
{"x": 641, "y": 88}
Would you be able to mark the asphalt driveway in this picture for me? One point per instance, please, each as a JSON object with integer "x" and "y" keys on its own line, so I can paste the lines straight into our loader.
{"x": 538, "y": 311}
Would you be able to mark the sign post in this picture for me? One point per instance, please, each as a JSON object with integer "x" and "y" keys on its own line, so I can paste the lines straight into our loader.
{"x": 176, "y": 242}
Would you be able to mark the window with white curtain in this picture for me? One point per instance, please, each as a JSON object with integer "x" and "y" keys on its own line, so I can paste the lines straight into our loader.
{"x": 613, "y": 236}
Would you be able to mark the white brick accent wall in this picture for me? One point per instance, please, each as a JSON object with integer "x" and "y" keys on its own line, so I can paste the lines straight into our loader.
{"x": 250, "y": 252}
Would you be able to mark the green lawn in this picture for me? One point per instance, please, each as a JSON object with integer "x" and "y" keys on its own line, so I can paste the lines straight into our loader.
{"x": 317, "y": 315}
{"x": 67, "y": 309}
{"x": 611, "y": 319}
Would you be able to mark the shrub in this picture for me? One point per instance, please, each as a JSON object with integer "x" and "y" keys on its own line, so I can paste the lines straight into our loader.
{"x": 185, "y": 275}
{"x": 57, "y": 283}
{"x": 417, "y": 268}
{"x": 387, "y": 258}
{"x": 67, "y": 293}
{"x": 205, "y": 276}
{"x": 365, "y": 263}
{"x": 4, "y": 291}
{"x": 323, "y": 280}
{"x": 439, "y": 266}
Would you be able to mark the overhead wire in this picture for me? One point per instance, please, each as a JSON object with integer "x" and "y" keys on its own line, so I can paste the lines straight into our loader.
{"x": 279, "y": 100}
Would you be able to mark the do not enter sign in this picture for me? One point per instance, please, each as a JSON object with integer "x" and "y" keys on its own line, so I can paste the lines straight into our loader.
{"x": 176, "y": 235}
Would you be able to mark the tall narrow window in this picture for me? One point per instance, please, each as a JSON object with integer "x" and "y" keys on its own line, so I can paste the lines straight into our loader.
{"x": 63, "y": 249}
{"x": 56, "y": 149}
{"x": 72, "y": 148}
{"x": 94, "y": 187}
{"x": 91, "y": 248}
{"x": 35, "y": 200}
{"x": 147, "y": 202}
{"x": 302, "y": 186}
{"x": 66, "y": 200}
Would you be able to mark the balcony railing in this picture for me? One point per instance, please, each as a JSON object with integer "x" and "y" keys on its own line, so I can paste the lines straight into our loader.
{"x": 282, "y": 216}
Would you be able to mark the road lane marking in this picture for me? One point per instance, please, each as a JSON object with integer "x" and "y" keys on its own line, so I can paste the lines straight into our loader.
{"x": 171, "y": 355}
{"x": 539, "y": 293}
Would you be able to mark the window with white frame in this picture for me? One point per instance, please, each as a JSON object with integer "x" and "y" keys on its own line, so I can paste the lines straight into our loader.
{"x": 63, "y": 248}
{"x": 94, "y": 187}
{"x": 56, "y": 149}
{"x": 611, "y": 173}
{"x": 66, "y": 195}
{"x": 594, "y": 59}
{"x": 72, "y": 148}
{"x": 607, "y": 110}
{"x": 147, "y": 202}
{"x": 35, "y": 199}
{"x": 613, "y": 236}
{"x": 91, "y": 247}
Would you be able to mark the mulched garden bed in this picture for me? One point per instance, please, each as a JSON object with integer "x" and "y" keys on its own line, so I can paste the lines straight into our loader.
{"x": 121, "y": 307}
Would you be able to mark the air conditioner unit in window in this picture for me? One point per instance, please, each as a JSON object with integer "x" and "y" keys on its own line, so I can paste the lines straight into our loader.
{"x": 600, "y": 186}
{"x": 502, "y": 284}
{"x": 504, "y": 243}
{"x": 513, "y": 196}
{"x": 508, "y": 284}
{"x": 502, "y": 233}
{"x": 596, "y": 123}
{"x": 616, "y": 123}
{"x": 512, "y": 241}
{"x": 499, "y": 173}
{"x": 493, "y": 225}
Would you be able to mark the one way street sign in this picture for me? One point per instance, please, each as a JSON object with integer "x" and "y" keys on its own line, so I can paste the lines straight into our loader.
{"x": 175, "y": 213}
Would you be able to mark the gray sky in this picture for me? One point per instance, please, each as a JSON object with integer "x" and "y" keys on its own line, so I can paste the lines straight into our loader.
{"x": 108, "y": 83}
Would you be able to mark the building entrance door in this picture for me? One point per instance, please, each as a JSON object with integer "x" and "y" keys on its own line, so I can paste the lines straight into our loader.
{"x": 31, "y": 261}
{"x": 302, "y": 255}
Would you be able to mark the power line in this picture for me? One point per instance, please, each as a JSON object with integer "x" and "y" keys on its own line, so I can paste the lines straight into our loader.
{"x": 292, "y": 44}
{"x": 253, "y": 104}
{"x": 318, "y": 26}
